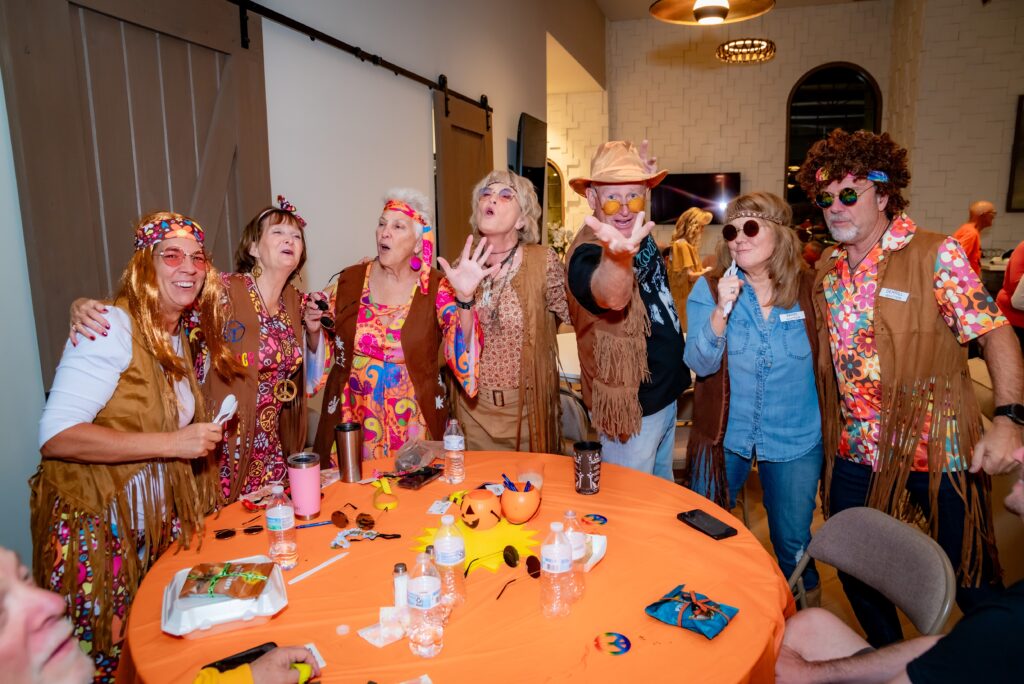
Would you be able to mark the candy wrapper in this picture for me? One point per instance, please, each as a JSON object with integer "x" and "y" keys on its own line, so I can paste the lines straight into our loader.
{"x": 692, "y": 611}
{"x": 234, "y": 580}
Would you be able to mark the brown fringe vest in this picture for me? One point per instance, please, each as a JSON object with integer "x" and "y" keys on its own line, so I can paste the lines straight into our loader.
{"x": 421, "y": 343}
{"x": 81, "y": 493}
{"x": 613, "y": 356}
{"x": 705, "y": 451}
{"x": 292, "y": 419}
{"x": 925, "y": 383}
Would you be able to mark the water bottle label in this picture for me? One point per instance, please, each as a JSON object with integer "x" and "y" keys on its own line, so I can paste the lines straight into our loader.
{"x": 454, "y": 443}
{"x": 579, "y": 544}
{"x": 449, "y": 551}
{"x": 280, "y": 519}
{"x": 556, "y": 558}
{"x": 424, "y": 592}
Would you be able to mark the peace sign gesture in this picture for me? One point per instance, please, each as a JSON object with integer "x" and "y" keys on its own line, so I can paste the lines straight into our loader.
{"x": 615, "y": 243}
{"x": 466, "y": 277}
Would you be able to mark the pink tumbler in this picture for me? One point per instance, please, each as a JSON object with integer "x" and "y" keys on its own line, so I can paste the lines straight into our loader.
{"x": 304, "y": 475}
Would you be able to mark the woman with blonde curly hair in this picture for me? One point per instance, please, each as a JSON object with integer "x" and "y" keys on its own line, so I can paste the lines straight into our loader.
{"x": 520, "y": 304}
{"x": 752, "y": 344}
{"x": 125, "y": 470}
{"x": 684, "y": 266}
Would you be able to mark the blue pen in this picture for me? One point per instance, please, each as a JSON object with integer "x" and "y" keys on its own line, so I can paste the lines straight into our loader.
{"x": 508, "y": 483}
{"x": 528, "y": 487}
{"x": 316, "y": 524}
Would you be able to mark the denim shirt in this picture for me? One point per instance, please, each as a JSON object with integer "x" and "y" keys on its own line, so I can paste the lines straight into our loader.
{"x": 773, "y": 403}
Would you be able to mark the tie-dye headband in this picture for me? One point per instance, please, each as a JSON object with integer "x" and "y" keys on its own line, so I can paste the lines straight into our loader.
{"x": 822, "y": 175}
{"x": 153, "y": 232}
{"x": 427, "y": 241}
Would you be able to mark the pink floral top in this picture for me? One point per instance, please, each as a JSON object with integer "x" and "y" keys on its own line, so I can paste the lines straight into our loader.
{"x": 850, "y": 293}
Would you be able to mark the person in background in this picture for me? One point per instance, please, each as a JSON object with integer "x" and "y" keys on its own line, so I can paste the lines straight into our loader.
{"x": 1007, "y": 298}
{"x": 752, "y": 343}
{"x": 38, "y": 646}
{"x": 684, "y": 267}
{"x": 520, "y": 305}
{"x": 895, "y": 307}
{"x": 627, "y": 329}
{"x": 982, "y": 214}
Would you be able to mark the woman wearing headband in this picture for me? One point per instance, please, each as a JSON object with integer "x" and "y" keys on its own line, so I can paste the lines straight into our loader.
{"x": 750, "y": 342}
{"x": 393, "y": 317}
{"x": 125, "y": 470}
{"x": 265, "y": 316}
{"x": 684, "y": 266}
{"x": 520, "y": 304}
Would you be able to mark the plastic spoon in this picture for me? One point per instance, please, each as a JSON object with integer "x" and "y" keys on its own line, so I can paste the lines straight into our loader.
{"x": 227, "y": 410}
{"x": 731, "y": 271}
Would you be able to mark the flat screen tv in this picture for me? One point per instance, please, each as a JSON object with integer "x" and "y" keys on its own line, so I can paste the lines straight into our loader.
{"x": 680, "y": 191}
{"x": 532, "y": 152}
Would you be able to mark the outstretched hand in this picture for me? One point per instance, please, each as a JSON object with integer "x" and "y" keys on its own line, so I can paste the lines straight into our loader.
{"x": 466, "y": 277}
{"x": 650, "y": 162}
{"x": 617, "y": 244}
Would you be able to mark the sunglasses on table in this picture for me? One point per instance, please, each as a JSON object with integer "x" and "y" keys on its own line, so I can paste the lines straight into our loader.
{"x": 750, "y": 228}
{"x": 176, "y": 257}
{"x": 505, "y": 195}
{"x": 229, "y": 533}
{"x": 612, "y": 206}
{"x": 847, "y": 196}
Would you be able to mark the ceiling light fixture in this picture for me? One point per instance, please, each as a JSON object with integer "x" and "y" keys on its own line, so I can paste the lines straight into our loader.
{"x": 710, "y": 11}
{"x": 697, "y": 12}
{"x": 746, "y": 51}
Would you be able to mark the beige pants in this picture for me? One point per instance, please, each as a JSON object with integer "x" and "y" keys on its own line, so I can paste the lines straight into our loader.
{"x": 490, "y": 420}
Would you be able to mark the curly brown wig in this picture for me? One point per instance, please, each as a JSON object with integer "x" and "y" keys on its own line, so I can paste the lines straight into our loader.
{"x": 857, "y": 153}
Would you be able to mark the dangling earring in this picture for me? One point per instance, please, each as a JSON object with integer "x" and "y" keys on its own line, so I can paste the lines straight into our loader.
{"x": 257, "y": 270}
{"x": 415, "y": 263}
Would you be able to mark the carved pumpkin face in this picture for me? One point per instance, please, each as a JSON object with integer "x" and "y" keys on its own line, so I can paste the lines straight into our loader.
{"x": 480, "y": 510}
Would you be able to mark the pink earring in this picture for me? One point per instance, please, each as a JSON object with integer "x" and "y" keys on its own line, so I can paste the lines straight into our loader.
{"x": 415, "y": 263}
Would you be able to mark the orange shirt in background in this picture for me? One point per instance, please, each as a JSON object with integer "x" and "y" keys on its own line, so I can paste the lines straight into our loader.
{"x": 969, "y": 238}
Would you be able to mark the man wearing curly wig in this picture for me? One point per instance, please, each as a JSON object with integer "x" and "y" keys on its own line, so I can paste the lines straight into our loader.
{"x": 896, "y": 307}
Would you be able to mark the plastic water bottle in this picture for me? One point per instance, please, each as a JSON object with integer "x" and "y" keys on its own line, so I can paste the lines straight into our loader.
{"x": 454, "y": 453}
{"x": 401, "y": 580}
{"x": 578, "y": 542}
{"x": 556, "y": 573}
{"x": 450, "y": 558}
{"x": 426, "y": 620}
{"x": 281, "y": 528}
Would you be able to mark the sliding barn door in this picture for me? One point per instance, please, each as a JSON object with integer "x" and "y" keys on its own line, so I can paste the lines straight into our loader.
{"x": 119, "y": 108}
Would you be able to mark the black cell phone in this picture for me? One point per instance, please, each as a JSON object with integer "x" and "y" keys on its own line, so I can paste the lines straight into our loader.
{"x": 708, "y": 524}
{"x": 243, "y": 658}
{"x": 418, "y": 478}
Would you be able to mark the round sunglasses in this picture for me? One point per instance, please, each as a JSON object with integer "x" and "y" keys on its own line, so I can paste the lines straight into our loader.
{"x": 505, "y": 195}
{"x": 750, "y": 229}
{"x": 611, "y": 207}
{"x": 847, "y": 196}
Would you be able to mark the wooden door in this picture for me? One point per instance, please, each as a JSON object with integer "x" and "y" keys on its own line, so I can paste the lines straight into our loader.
{"x": 119, "y": 108}
{"x": 465, "y": 154}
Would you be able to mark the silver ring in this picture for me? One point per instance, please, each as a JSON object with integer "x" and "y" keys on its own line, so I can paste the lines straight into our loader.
{"x": 732, "y": 290}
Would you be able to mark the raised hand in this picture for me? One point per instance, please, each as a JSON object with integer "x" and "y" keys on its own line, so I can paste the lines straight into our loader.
{"x": 650, "y": 162}
{"x": 87, "y": 319}
{"x": 466, "y": 277}
{"x": 729, "y": 287}
{"x": 617, "y": 244}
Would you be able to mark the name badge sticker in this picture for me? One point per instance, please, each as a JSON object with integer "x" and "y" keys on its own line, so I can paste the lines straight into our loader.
{"x": 792, "y": 316}
{"x": 898, "y": 295}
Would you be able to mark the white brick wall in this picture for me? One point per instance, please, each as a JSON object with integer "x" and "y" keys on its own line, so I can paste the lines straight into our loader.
{"x": 899, "y": 109}
{"x": 577, "y": 124}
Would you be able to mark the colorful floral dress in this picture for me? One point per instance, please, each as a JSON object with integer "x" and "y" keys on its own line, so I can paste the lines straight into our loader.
{"x": 379, "y": 392}
{"x": 280, "y": 355}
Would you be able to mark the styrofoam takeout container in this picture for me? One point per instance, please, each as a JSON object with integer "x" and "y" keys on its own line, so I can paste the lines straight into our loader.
{"x": 203, "y": 615}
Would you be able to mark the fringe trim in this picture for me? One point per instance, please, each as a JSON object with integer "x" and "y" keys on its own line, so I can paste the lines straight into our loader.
{"x": 704, "y": 455}
{"x": 615, "y": 410}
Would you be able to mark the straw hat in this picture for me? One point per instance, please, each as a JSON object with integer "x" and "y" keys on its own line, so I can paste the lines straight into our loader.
{"x": 617, "y": 162}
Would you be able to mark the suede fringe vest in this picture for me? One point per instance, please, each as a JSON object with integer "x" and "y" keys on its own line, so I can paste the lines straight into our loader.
{"x": 154, "y": 490}
{"x": 292, "y": 419}
{"x": 705, "y": 450}
{"x": 613, "y": 357}
{"x": 421, "y": 344}
{"x": 925, "y": 385}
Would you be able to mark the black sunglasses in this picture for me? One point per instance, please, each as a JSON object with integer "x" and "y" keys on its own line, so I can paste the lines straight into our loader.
{"x": 848, "y": 197}
{"x": 750, "y": 229}
{"x": 229, "y": 533}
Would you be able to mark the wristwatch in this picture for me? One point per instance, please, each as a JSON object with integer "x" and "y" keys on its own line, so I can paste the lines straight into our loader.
{"x": 1014, "y": 412}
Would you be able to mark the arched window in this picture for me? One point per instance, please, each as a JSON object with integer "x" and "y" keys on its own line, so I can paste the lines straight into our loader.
{"x": 835, "y": 95}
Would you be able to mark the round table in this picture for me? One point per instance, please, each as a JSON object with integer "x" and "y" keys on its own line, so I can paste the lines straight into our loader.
{"x": 649, "y": 553}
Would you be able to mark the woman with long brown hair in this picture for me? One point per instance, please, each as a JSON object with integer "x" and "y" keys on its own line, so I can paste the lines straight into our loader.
{"x": 684, "y": 265}
{"x": 125, "y": 468}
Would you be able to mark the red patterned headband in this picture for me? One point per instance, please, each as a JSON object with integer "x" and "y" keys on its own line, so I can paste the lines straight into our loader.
{"x": 284, "y": 205}
{"x": 427, "y": 240}
{"x": 398, "y": 205}
{"x": 153, "y": 232}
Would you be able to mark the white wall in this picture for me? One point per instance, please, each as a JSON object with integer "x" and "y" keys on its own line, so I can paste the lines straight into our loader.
{"x": 21, "y": 400}
{"x": 577, "y": 124}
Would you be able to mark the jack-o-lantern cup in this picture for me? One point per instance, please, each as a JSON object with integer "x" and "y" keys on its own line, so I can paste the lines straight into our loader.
{"x": 520, "y": 506}
{"x": 480, "y": 510}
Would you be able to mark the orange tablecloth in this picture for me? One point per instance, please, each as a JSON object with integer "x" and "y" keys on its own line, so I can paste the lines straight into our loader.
{"x": 649, "y": 553}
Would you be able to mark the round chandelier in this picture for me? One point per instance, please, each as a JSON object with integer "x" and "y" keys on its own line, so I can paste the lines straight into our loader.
{"x": 746, "y": 51}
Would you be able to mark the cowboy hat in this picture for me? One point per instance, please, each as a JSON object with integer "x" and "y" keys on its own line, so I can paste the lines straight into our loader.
{"x": 617, "y": 162}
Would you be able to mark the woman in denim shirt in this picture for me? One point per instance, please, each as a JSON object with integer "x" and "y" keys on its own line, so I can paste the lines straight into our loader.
{"x": 755, "y": 396}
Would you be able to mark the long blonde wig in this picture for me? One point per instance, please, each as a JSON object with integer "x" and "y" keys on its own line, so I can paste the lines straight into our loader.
{"x": 786, "y": 263}
{"x": 141, "y": 292}
{"x": 690, "y": 226}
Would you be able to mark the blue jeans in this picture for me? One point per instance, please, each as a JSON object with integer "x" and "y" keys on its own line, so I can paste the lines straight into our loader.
{"x": 790, "y": 489}
{"x": 651, "y": 450}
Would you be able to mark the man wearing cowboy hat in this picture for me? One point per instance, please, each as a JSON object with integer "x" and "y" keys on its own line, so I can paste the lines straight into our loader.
{"x": 627, "y": 329}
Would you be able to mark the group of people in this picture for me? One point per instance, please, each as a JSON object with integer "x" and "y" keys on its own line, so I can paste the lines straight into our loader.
{"x": 852, "y": 378}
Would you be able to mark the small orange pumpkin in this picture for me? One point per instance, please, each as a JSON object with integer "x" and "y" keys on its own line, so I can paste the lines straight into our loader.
{"x": 480, "y": 510}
